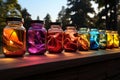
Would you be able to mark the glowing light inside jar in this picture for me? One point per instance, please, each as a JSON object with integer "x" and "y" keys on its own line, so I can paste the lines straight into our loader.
{"x": 115, "y": 39}
{"x": 54, "y": 36}
{"x": 54, "y": 42}
{"x": 37, "y": 38}
{"x": 83, "y": 42}
{"x": 83, "y": 39}
{"x": 11, "y": 42}
{"x": 109, "y": 39}
{"x": 70, "y": 39}
{"x": 94, "y": 39}
{"x": 103, "y": 39}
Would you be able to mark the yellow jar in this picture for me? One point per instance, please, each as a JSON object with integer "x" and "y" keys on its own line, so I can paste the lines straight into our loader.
{"x": 115, "y": 39}
{"x": 83, "y": 39}
{"x": 109, "y": 39}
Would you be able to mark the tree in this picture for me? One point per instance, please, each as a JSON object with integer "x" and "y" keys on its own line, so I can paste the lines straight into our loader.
{"x": 27, "y": 18}
{"x": 79, "y": 10}
{"x": 47, "y": 20}
{"x": 109, "y": 11}
{"x": 63, "y": 17}
{"x": 5, "y": 6}
{"x": 38, "y": 18}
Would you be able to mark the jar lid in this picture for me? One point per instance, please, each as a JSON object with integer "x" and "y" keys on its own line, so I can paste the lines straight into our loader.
{"x": 55, "y": 23}
{"x": 37, "y": 21}
{"x": 13, "y": 19}
{"x": 82, "y": 26}
{"x": 69, "y": 25}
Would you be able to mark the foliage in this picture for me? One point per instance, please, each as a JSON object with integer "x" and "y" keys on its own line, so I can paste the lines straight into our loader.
{"x": 5, "y": 6}
{"x": 64, "y": 17}
{"x": 47, "y": 20}
{"x": 108, "y": 10}
{"x": 79, "y": 10}
{"x": 27, "y": 18}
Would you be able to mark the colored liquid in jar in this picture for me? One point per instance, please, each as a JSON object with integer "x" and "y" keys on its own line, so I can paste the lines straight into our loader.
{"x": 83, "y": 42}
{"x": 70, "y": 42}
{"x": 36, "y": 41}
{"x": 54, "y": 42}
{"x": 14, "y": 42}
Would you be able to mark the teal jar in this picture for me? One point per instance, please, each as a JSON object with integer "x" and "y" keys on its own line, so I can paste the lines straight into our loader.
{"x": 94, "y": 39}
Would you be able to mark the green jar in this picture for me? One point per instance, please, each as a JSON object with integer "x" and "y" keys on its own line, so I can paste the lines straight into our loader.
{"x": 102, "y": 39}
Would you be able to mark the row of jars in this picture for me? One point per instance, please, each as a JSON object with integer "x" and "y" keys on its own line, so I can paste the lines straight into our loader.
{"x": 54, "y": 40}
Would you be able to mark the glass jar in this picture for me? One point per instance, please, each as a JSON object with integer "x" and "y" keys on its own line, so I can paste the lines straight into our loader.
{"x": 94, "y": 39}
{"x": 55, "y": 38}
{"x": 115, "y": 39}
{"x": 37, "y": 38}
{"x": 83, "y": 39}
{"x": 14, "y": 38}
{"x": 14, "y": 35}
{"x": 103, "y": 39}
{"x": 109, "y": 39}
{"x": 70, "y": 39}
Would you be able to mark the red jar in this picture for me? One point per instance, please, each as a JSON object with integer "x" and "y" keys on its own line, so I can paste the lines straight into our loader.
{"x": 55, "y": 38}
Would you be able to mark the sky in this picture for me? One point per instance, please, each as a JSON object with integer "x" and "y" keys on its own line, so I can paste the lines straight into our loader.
{"x": 42, "y": 7}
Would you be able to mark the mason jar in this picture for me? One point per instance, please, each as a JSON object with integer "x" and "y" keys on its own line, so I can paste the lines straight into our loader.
{"x": 83, "y": 39}
{"x": 94, "y": 39}
{"x": 103, "y": 39}
{"x": 14, "y": 38}
{"x": 110, "y": 39}
{"x": 115, "y": 39}
{"x": 55, "y": 38}
{"x": 37, "y": 38}
{"x": 70, "y": 39}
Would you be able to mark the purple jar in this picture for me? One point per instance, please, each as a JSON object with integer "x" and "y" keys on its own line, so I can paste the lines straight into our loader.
{"x": 37, "y": 38}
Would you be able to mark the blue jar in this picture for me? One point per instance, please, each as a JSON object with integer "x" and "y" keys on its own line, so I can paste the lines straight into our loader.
{"x": 94, "y": 39}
